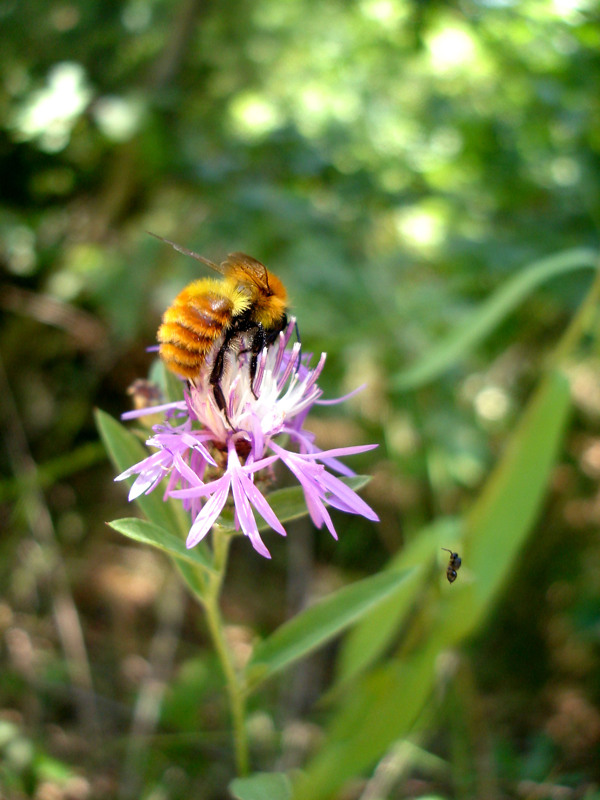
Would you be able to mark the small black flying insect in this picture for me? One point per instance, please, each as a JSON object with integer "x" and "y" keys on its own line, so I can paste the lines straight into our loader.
{"x": 453, "y": 565}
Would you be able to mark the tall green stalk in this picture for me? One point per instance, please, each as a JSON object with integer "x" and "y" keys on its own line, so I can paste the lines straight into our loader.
{"x": 235, "y": 691}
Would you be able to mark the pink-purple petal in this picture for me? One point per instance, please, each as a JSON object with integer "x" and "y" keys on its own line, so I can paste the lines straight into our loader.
{"x": 339, "y": 451}
{"x": 343, "y": 397}
{"x": 208, "y": 516}
{"x": 199, "y": 491}
{"x": 348, "y": 496}
{"x": 259, "y": 502}
{"x": 261, "y": 464}
{"x": 246, "y": 517}
{"x": 144, "y": 412}
{"x": 145, "y": 465}
{"x": 186, "y": 471}
{"x": 141, "y": 485}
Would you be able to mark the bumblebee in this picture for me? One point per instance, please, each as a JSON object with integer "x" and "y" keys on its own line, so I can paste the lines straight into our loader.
{"x": 246, "y": 307}
{"x": 453, "y": 565}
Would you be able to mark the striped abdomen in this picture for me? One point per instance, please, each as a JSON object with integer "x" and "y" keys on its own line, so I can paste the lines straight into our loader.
{"x": 191, "y": 326}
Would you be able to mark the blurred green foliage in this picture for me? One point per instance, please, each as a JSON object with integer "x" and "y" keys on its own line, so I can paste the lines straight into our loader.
{"x": 394, "y": 162}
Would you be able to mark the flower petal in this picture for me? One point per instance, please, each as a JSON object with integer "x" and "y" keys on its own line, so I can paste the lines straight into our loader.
{"x": 186, "y": 471}
{"x": 144, "y": 412}
{"x": 260, "y": 504}
{"x": 144, "y": 483}
{"x": 197, "y": 491}
{"x": 146, "y": 465}
{"x": 210, "y": 511}
{"x": 246, "y": 517}
{"x": 343, "y": 398}
{"x": 243, "y": 509}
{"x": 347, "y": 496}
{"x": 340, "y": 451}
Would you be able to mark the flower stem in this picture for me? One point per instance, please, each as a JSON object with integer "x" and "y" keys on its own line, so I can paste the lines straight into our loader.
{"x": 235, "y": 693}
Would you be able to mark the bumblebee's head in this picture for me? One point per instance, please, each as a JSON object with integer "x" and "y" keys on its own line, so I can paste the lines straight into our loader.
{"x": 271, "y": 304}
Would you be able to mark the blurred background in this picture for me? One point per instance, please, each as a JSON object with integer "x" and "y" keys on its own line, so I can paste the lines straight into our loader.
{"x": 394, "y": 162}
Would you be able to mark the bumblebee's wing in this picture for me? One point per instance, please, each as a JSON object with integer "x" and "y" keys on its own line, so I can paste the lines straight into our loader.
{"x": 246, "y": 270}
{"x": 186, "y": 252}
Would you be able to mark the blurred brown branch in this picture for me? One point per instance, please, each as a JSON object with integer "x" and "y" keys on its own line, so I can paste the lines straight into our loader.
{"x": 87, "y": 332}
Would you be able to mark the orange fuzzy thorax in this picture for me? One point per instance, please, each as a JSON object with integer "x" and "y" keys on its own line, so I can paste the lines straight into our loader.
{"x": 269, "y": 309}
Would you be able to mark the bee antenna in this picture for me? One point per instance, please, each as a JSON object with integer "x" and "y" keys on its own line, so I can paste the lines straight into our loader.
{"x": 186, "y": 252}
{"x": 446, "y": 549}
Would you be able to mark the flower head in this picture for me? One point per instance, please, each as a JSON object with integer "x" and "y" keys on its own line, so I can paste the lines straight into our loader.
{"x": 210, "y": 456}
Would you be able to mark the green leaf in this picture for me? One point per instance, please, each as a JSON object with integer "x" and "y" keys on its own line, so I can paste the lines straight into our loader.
{"x": 124, "y": 451}
{"x": 318, "y": 624}
{"x": 498, "y": 523}
{"x": 148, "y": 533}
{"x": 489, "y": 314}
{"x": 287, "y": 503}
{"x": 262, "y": 786}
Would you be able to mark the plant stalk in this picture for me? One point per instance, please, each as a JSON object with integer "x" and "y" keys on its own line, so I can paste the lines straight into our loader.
{"x": 235, "y": 692}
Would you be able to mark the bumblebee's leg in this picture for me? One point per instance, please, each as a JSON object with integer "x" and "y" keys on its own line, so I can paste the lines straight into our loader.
{"x": 273, "y": 333}
{"x": 271, "y": 336}
{"x": 259, "y": 340}
{"x": 220, "y": 399}
{"x": 217, "y": 374}
{"x": 300, "y": 349}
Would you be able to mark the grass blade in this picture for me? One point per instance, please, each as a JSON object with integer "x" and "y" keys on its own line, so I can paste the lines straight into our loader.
{"x": 495, "y": 309}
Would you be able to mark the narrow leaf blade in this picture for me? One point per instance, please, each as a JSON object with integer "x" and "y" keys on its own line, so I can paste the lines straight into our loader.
{"x": 318, "y": 624}
{"x": 140, "y": 530}
{"x": 490, "y": 314}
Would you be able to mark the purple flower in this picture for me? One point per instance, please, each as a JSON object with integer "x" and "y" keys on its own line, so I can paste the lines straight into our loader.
{"x": 209, "y": 458}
